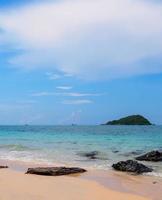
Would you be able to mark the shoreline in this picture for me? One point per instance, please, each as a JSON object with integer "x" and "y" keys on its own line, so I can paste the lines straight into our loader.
{"x": 118, "y": 182}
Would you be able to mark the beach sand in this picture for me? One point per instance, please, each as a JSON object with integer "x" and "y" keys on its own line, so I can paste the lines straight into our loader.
{"x": 94, "y": 184}
{"x": 16, "y": 185}
{"x": 142, "y": 185}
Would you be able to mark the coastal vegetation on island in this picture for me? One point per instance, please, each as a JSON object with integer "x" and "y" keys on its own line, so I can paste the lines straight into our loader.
{"x": 130, "y": 120}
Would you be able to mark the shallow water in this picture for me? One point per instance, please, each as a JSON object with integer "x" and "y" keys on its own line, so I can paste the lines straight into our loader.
{"x": 66, "y": 145}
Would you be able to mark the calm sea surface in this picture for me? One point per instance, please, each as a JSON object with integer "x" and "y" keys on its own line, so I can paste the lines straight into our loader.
{"x": 66, "y": 145}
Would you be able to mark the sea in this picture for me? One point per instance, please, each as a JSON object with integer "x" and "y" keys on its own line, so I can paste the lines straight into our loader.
{"x": 69, "y": 145}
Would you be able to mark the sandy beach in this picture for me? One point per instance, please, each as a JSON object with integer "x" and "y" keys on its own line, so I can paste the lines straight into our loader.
{"x": 19, "y": 186}
{"x": 94, "y": 184}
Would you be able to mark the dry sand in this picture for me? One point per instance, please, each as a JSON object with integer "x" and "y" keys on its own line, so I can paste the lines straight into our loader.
{"x": 19, "y": 186}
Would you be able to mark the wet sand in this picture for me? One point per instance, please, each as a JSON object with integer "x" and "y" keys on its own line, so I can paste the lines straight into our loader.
{"x": 148, "y": 186}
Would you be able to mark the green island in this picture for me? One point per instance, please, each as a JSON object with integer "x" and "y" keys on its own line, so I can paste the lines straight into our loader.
{"x": 130, "y": 120}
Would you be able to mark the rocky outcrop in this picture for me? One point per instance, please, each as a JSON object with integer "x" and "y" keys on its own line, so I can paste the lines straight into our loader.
{"x": 154, "y": 156}
{"x": 55, "y": 171}
{"x": 3, "y": 167}
{"x": 131, "y": 166}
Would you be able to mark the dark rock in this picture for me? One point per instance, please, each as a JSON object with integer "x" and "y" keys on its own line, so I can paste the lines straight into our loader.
{"x": 132, "y": 153}
{"x": 137, "y": 152}
{"x": 153, "y": 156}
{"x": 3, "y": 167}
{"x": 115, "y": 151}
{"x": 131, "y": 166}
{"x": 55, "y": 171}
{"x": 91, "y": 155}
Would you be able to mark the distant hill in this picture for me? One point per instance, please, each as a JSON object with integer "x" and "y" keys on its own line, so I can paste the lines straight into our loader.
{"x": 130, "y": 120}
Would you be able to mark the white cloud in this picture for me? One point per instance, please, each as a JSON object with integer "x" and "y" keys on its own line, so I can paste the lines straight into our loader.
{"x": 68, "y": 75}
{"x": 64, "y": 87}
{"x": 70, "y": 94}
{"x": 40, "y": 94}
{"x": 87, "y": 38}
{"x": 77, "y": 102}
{"x": 77, "y": 94}
{"x": 53, "y": 76}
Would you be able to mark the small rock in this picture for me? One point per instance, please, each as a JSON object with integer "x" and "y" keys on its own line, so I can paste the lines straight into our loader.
{"x": 55, "y": 171}
{"x": 91, "y": 155}
{"x": 154, "y": 156}
{"x": 137, "y": 152}
{"x": 3, "y": 167}
{"x": 131, "y": 166}
{"x": 115, "y": 151}
{"x": 132, "y": 153}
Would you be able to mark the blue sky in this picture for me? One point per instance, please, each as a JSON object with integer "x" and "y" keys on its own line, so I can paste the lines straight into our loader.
{"x": 100, "y": 65}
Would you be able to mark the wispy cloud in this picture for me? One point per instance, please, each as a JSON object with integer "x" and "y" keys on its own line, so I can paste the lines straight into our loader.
{"x": 70, "y": 94}
{"x": 40, "y": 94}
{"x": 68, "y": 75}
{"x": 64, "y": 87}
{"x": 53, "y": 76}
{"x": 106, "y": 38}
{"x": 77, "y": 102}
{"x": 77, "y": 94}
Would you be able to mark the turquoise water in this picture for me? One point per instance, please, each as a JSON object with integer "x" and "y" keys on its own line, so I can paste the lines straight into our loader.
{"x": 66, "y": 144}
